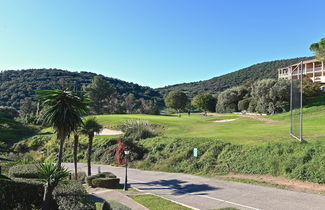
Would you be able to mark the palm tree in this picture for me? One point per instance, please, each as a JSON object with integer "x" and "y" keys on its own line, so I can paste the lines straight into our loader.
{"x": 63, "y": 111}
{"x": 52, "y": 174}
{"x": 89, "y": 128}
{"x": 75, "y": 152}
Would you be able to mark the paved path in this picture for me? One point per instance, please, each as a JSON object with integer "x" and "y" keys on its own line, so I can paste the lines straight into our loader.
{"x": 208, "y": 193}
{"x": 121, "y": 197}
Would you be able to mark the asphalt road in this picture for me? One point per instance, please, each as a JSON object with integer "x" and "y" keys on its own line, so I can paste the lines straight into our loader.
{"x": 208, "y": 193}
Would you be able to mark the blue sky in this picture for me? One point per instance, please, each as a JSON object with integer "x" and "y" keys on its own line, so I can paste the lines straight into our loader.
{"x": 156, "y": 42}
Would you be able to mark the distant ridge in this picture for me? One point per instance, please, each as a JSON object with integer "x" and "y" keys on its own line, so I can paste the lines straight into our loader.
{"x": 16, "y": 85}
{"x": 239, "y": 77}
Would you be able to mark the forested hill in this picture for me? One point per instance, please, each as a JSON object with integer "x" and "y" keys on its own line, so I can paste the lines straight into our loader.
{"x": 216, "y": 84}
{"x": 16, "y": 85}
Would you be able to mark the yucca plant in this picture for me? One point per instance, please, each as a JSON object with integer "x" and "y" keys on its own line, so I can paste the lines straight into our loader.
{"x": 52, "y": 174}
{"x": 138, "y": 129}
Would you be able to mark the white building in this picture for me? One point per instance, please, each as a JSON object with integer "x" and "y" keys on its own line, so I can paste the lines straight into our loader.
{"x": 314, "y": 69}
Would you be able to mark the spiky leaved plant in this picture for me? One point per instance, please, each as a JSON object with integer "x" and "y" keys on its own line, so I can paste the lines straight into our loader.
{"x": 52, "y": 174}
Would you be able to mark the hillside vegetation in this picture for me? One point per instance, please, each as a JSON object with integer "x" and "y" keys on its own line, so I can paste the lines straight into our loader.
{"x": 12, "y": 131}
{"x": 252, "y": 73}
{"x": 16, "y": 86}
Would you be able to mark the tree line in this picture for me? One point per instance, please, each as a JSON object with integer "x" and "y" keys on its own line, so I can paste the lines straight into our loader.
{"x": 267, "y": 96}
{"x": 17, "y": 86}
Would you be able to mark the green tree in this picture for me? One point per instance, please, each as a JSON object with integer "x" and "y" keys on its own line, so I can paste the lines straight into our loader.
{"x": 311, "y": 88}
{"x": 228, "y": 99}
{"x": 206, "y": 102}
{"x": 319, "y": 49}
{"x": 52, "y": 174}
{"x": 176, "y": 100}
{"x": 89, "y": 128}
{"x": 99, "y": 91}
{"x": 130, "y": 103}
{"x": 62, "y": 110}
{"x": 244, "y": 104}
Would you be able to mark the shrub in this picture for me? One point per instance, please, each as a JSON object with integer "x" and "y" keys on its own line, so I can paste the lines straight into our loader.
{"x": 73, "y": 196}
{"x": 138, "y": 129}
{"x": 106, "y": 182}
{"x": 81, "y": 176}
{"x": 8, "y": 112}
{"x": 26, "y": 194}
{"x": 100, "y": 175}
{"x": 24, "y": 171}
{"x": 21, "y": 194}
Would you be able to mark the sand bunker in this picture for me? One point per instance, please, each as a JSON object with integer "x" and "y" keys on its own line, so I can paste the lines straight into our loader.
{"x": 225, "y": 120}
{"x": 110, "y": 132}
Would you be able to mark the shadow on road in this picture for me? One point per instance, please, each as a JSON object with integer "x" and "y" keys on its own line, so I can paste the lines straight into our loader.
{"x": 179, "y": 187}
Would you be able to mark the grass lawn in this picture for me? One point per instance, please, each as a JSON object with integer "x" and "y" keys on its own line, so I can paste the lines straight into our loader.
{"x": 153, "y": 202}
{"x": 241, "y": 131}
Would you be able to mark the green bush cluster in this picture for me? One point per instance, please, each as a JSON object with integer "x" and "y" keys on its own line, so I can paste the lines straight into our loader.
{"x": 28, "y": 171}
{"x": 138, "y": 129}
{"x": 81, "y": 176}
{"x": 293, "y": 160}
{"x": 73, "y": 196}
{"x": 110, "y": 183}
{"x": 21, "y": 194}
{"x": 26, "y": 192}
{"x": 105, "y": 179}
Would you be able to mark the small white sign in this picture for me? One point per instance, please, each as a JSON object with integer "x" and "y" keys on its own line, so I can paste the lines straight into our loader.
{"x": 195, "y": 152}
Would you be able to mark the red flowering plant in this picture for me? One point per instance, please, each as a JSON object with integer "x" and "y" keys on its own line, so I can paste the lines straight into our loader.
{"x": 136, "y": 152}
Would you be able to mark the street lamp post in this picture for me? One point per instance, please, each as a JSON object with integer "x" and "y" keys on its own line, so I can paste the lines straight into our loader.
{"x": 126, "y": 153}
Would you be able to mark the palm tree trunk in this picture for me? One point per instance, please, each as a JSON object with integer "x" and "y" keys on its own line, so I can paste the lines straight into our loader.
{"x": 90, "y": 146}
{"x": 48, "y": 201}
{"x": 60, "y": 151}
{"x": 75, "y": 152}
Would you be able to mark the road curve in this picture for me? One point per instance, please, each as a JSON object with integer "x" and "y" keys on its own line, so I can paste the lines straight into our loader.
{"x": 208, "y": 193}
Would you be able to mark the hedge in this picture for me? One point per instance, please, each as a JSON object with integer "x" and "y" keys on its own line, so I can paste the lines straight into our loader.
{"x": 21, "y": 194}
{"x": 73, "y": 196}
{"x": 26, "y": 194}
{"x": 28, "y": 171}
{"x": 100, "y": 175}
{"x": 81, "y": 176}
{"x": 106, "y": 182}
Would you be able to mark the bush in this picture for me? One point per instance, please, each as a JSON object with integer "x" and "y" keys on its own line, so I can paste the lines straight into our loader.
{"x": 106, "y": 182}
{"x": 21, "y": 194}
{"x": 8, "y": 112}
{"x": 24, "y": 171}
{"x": 73, "y": 196}
{"x": 81, "y": 176}
{"x": 138, "y": 129}
{"x": 100, "y": 175}
{"x": 26, "y": 194}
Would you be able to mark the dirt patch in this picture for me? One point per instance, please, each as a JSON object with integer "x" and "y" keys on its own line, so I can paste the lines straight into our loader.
{"x": 225, "y": 120}
{"x": 254, "y": 117}
{"x": 283, "y": 181}
{"x": 259, "y": 118}
{"x": 110, "y": 132}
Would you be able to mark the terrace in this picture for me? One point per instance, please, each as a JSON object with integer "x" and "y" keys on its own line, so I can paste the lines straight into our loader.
{"x": 313, "y": 69}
